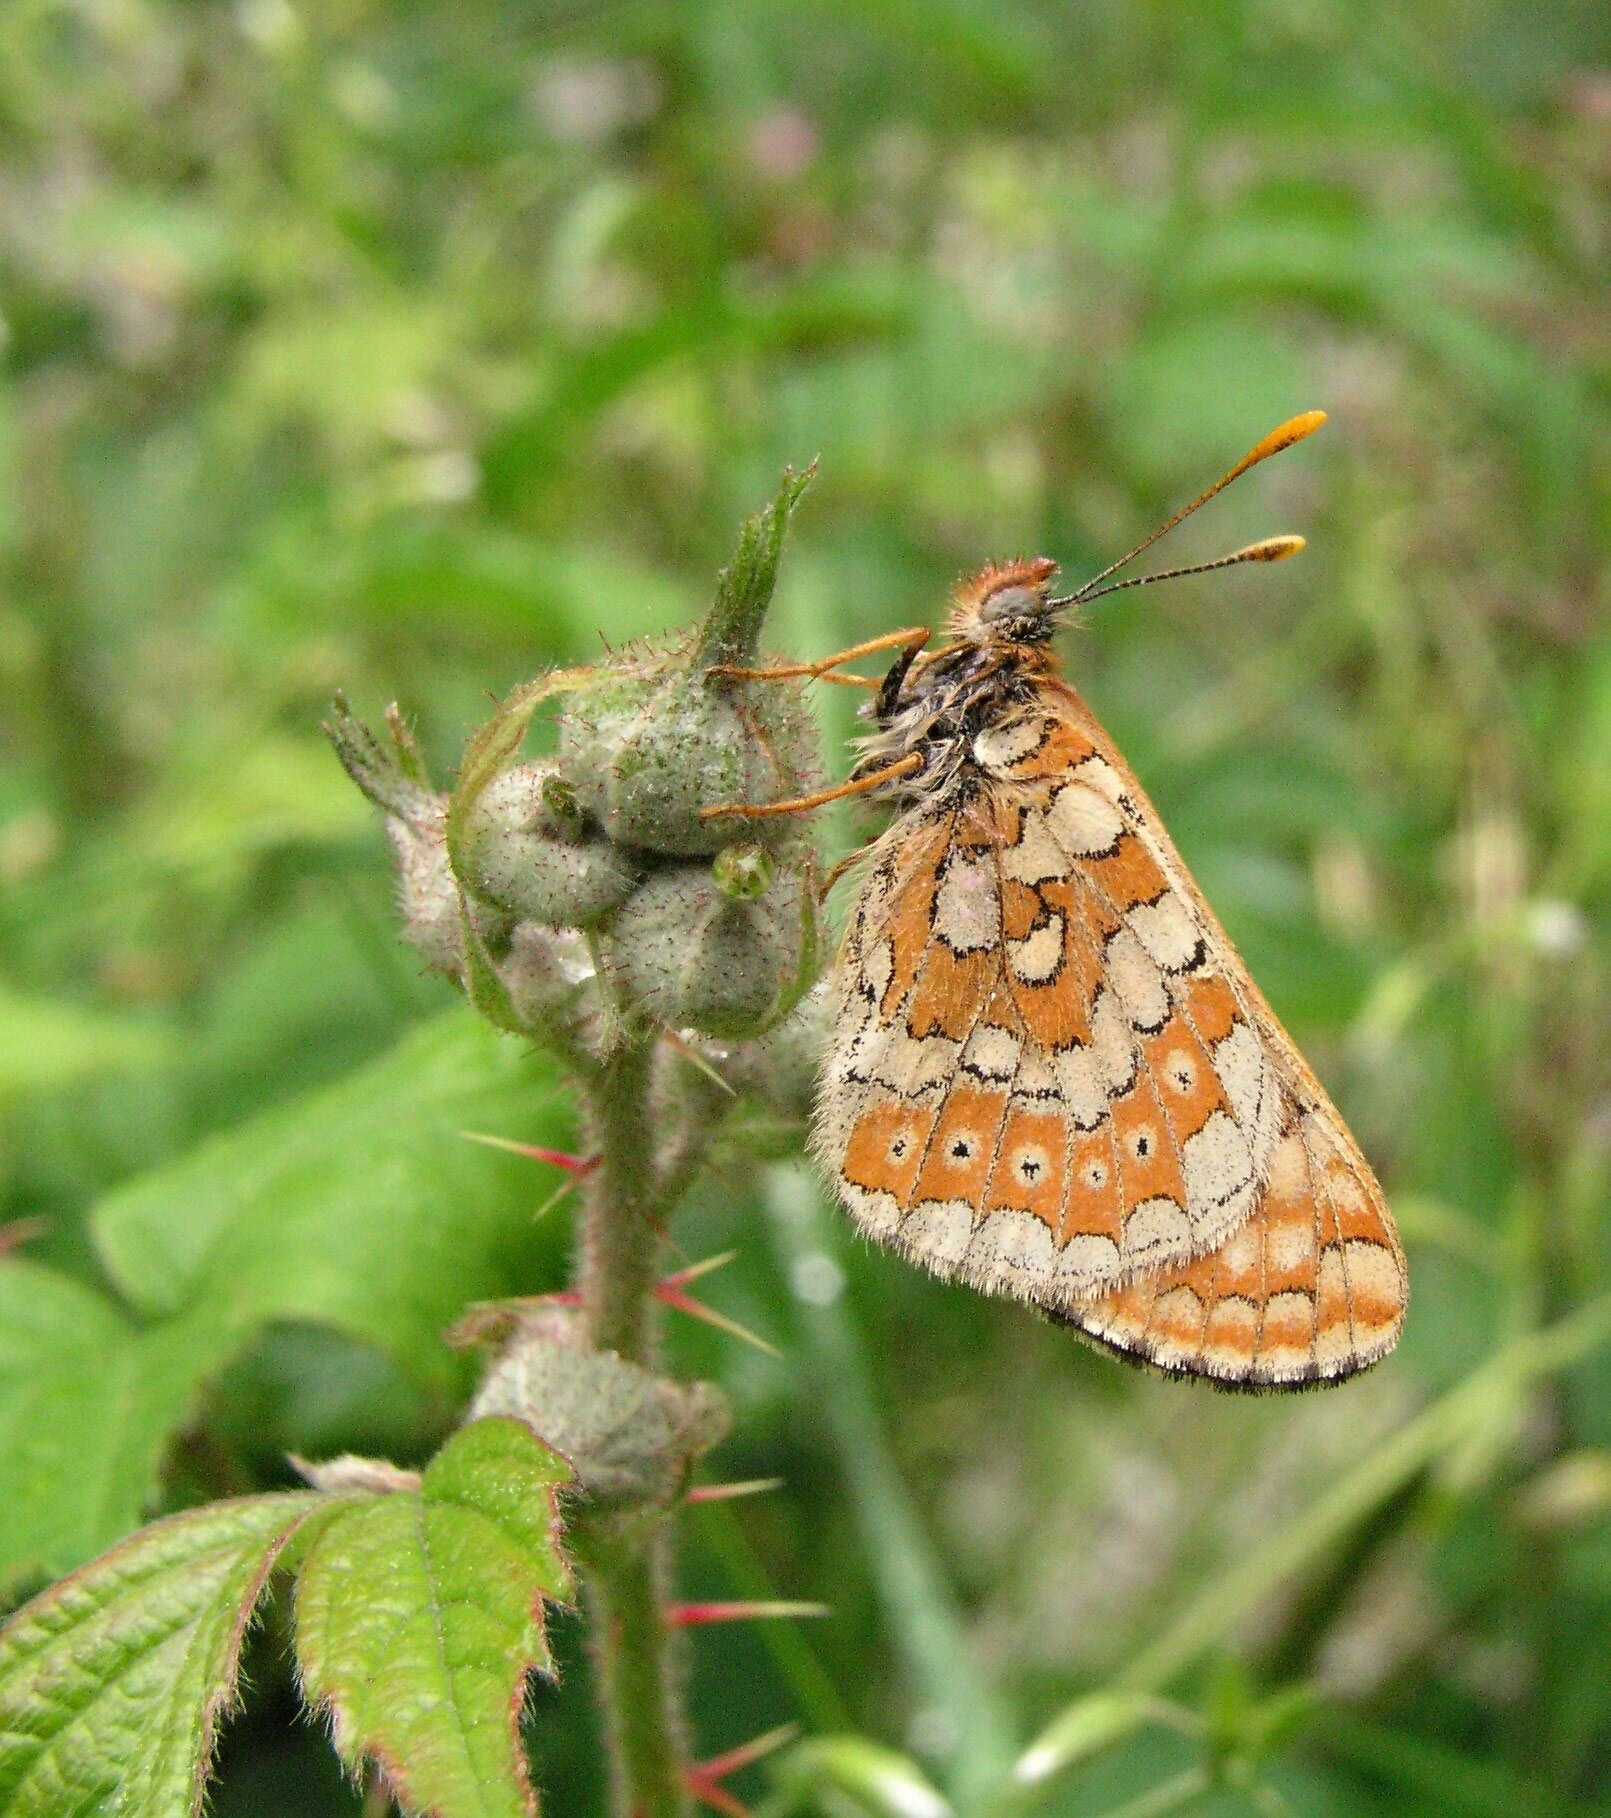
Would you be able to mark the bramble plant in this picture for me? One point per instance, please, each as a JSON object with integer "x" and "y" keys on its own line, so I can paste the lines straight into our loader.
{"x": 585, "y": 905}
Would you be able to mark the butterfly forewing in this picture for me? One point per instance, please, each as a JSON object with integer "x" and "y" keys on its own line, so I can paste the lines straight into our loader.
{"x": 1052, "y": 1077}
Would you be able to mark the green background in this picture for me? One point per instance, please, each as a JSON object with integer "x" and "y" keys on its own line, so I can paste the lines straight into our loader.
{"x": 413, "y": 349}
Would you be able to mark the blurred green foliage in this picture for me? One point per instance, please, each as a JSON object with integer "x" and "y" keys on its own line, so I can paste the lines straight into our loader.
{"x": 412, "y": 348}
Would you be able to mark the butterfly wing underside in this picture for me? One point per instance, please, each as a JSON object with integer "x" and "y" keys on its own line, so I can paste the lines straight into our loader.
{"x": 1053, "y": 1078}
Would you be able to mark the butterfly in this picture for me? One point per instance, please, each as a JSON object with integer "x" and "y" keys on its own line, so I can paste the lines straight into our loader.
{"x": 1050, "y": 1075}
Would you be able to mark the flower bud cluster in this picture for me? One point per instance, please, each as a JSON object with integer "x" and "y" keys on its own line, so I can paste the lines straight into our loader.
{"x": 598, "y": 883}
{"x": 630, "y": 1435}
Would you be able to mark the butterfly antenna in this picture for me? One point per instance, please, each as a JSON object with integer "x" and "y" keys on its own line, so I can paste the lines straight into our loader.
{"x": 1272, "y": 549}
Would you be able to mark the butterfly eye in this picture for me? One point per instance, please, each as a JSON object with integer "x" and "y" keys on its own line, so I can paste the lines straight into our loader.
{"x": 1011, "y": 603}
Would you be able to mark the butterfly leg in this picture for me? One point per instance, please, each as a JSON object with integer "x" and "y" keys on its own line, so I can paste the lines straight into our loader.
{"x": 839, "y": 871}
{"x": 802, "y": 804}
{"x": 912, "y": 639}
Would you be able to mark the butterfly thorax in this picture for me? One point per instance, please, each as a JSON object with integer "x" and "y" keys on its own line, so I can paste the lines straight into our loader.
{"x": 938, "y": 704}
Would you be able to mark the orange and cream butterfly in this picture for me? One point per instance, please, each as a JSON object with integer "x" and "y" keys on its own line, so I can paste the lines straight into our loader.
{"x": 1050, "y": 1074}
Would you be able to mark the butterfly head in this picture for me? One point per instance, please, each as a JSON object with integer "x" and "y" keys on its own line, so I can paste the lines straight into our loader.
{"x": 1007, "y": 603}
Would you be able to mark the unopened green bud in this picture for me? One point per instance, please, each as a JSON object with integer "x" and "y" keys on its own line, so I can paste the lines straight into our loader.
{"x": 782, "y": 1066}
{"x": 743, "y": 872}
{"x": 631, "y": 1436}
{"x": 661, "y": 738}
{"x": 695, "y": 957}
{"x": 545, "y": 972}
{"x": 509, "y": 853}
{"x": 648, "y": 751}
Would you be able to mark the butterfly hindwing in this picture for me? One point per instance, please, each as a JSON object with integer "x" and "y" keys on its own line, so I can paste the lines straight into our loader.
{"x": 1310, "y": 1289}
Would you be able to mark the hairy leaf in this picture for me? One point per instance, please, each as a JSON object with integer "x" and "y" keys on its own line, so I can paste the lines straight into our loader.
{"x": 419, "y": 1616}
{"x": 112, "y": 1682}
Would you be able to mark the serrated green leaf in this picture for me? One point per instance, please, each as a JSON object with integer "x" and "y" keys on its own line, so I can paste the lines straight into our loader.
{"x": 87, "y": 1402}
{"x": 419, "y": 1616}
{"x": 489, "y": 1469}
{"x": 112, "y": 1682}
{"x": 359, "y": 1206}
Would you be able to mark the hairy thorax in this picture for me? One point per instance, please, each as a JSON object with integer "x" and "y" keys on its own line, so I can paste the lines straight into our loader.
{"x": 940, "y": 706}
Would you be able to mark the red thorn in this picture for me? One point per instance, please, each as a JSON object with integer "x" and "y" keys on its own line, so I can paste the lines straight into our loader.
{"x": 21, "y": 1231}
{"x": 720, "y": 1766}
{"x": 692, "y": 1055}
{"x": 709, "y": 1792}
{"x": 725, "y": 1492}
{"x": 703, "y": 1779}
{"x": 696, "y": 1309}
{"x": 577, "y": 1165}
{"x": 713, "y": 1795}
{"x": 680, "y": 1278}
{"x": 693, "y": 1615}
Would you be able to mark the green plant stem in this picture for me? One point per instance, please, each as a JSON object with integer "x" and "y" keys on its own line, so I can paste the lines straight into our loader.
{"x": 625, "y": 1575}
{"x": 620, "y": 1238}
{"x": 626, "y": 1561}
